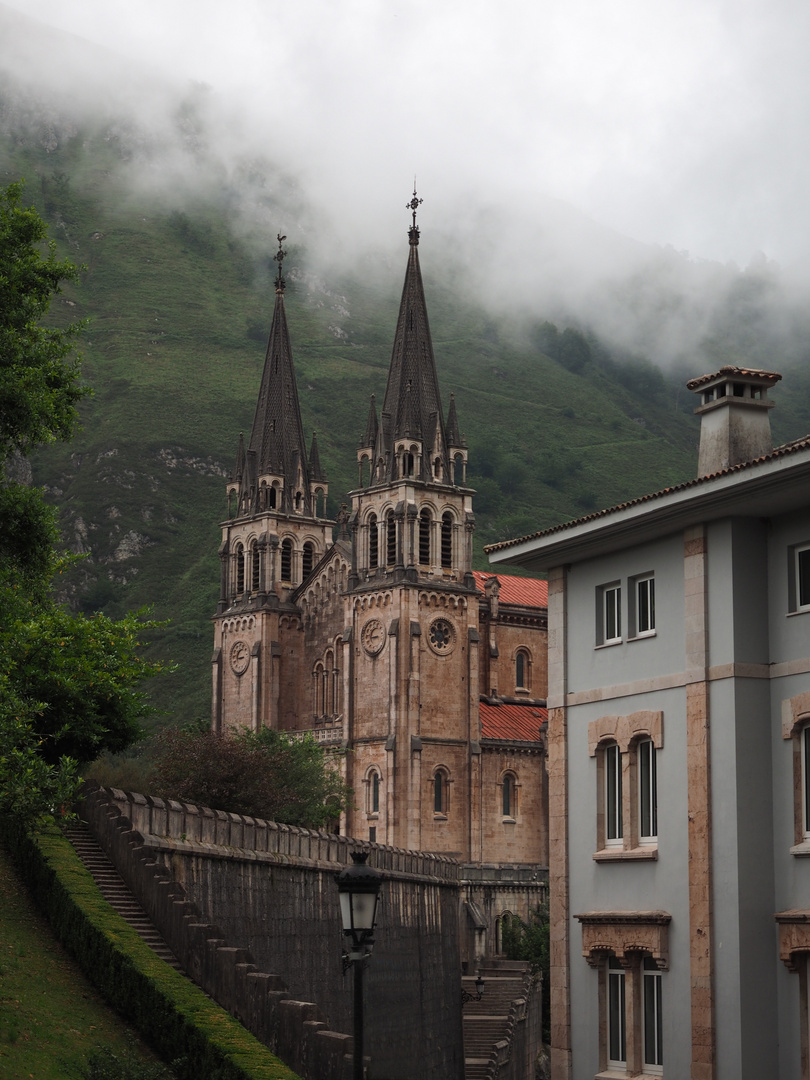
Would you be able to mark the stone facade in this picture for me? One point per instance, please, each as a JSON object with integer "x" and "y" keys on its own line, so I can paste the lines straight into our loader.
{"x": 381, "y": 640}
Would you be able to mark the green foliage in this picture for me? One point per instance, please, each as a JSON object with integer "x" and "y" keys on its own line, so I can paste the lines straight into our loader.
{"x": 263, "y": 774}
{"x": 39, "y": 380}
{"x": 530, "y": 942}
{"x": 182, "y": 1023}
{"x": 68, "y": 684}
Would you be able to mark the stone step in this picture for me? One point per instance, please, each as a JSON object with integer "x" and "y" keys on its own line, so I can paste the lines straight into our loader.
{"x": 115, "y": 892}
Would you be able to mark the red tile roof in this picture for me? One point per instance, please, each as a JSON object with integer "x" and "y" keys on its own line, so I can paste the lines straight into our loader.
{"x": 518, "y": 723}
{"x": 785, "y": 451}
{"x": 528, "y": 592}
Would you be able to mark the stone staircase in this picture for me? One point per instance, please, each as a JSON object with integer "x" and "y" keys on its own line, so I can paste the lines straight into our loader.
{"x": 116, "y": 893}
{"x": 487, "y": 1025}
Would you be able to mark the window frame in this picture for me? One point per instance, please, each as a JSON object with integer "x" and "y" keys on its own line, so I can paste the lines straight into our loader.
{"x": 440, "y": 785}
{"x": 616, "y": 1014}
{"x": 509, "y": 796}
{"x": 613, "y": 802}
{"x": 609, "y": 608}
{"x": 647, "y": 770}
{"x": 652, "y": 984}
{"x": 644, "y": 607}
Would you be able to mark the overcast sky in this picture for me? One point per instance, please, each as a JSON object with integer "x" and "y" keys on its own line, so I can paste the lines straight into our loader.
{"x": 683, "y": 122}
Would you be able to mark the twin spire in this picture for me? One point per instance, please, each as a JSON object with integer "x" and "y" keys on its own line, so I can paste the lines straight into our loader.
{"x": 411, "y": 408}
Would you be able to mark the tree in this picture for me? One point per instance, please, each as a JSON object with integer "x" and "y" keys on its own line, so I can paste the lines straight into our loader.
{"x": 262, "y": 774}
{"x": 529, "y": 941}
{"x": 39, "y": 378}
{"x": 68, "y": 684}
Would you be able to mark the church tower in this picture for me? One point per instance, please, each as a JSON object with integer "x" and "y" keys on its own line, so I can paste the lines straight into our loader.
{"x": 412, "y": 606}
{"x": 275, "y": 534}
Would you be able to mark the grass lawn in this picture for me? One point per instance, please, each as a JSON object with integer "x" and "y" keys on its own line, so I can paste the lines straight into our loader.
{"x": 51, "y": 1018}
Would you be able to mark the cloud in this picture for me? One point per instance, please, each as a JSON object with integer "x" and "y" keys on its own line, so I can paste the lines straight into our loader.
{"x": 682, "y": 121}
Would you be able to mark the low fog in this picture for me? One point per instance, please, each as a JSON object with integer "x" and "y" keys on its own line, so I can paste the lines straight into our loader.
{"x": 617, "y": 166}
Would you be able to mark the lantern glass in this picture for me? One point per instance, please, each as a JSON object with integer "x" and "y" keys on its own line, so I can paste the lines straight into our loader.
{"x": 357, "y": 910}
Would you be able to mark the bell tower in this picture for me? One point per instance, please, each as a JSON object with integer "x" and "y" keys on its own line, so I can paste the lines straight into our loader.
{"x": 412, "y": 599}
{"x": 275, "y": 533}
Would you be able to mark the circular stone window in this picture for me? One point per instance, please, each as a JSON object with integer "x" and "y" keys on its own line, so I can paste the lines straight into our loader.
{"x": 441, "y": 636}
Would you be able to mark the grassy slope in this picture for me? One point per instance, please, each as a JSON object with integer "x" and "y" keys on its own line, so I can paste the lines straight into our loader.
{"x": 179, "y": 310}
{"x": 51, "y": 1018}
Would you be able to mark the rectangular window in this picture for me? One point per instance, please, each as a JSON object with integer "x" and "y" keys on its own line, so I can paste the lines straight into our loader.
{"x": 647, "y": 791}
{"x": 609, "y": 618}
{"x": 653, "y": 1017}
{"x": 645, "y": 605}
{"x": 613, "y": 795}
{"x": 806, "y": 781}
{"x": 617, "y": 1034}
{"x": 802, "y": 555}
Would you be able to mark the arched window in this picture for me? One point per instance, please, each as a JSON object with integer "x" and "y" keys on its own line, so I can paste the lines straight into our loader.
{"x": 390, "y": 538}
{"x": 273, "y": 497}
{"x": 424, "y": 538}
{"x": 447, "y": 540}
{"x": 240, "y": 568}
{"x": 317, "y": 689}
{"x": 373, "y": 543}
{"x": 522, "y": 669}
{"x": 286, "y": 560}
{"x": 374, "y": 793}
{"x": 298, "y": 501}
{"x": 440, "y": 792}
{"x": 255, "y": 575}
{"x": 308, "y": 559}
{"x": 328, "y": 685}
{"x": 509, "y": 796}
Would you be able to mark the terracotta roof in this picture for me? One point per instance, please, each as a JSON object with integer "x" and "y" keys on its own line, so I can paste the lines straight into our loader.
{"x": 772, "y": 377}
{"x": 781, "y": 451}
{"x": 518, "y": 723}
{"x": 528, "y": 592}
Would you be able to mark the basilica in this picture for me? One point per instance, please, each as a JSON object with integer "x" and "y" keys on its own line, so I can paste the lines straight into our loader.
{"x": 373, "y": 632}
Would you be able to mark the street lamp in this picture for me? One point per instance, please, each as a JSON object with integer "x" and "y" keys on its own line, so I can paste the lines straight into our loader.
{"x": 479, "y": 987}
{"x": 359, "y": 889}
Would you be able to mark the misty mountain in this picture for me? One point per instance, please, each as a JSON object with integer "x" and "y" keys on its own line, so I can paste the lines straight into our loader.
{"x": 566, "y": 345}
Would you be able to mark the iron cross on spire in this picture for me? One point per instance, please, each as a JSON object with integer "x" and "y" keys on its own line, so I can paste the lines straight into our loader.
{"x": 279, "y": 258}
{"x": 414, "y": 204}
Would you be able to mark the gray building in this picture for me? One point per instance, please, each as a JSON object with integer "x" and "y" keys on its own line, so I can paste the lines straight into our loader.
{"x": 679, "y": 762}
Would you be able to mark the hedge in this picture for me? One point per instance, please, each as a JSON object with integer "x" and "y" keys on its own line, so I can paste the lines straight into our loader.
{"x": 183, "y": 1025}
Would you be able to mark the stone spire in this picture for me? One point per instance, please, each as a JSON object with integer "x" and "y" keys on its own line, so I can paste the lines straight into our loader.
{"x": 277, "y": 444}
{"x": 412, "y": 405}
{"x": 369, "y": 440}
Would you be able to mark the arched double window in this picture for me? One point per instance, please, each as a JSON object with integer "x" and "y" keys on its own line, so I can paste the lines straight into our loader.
{"x": 255, "y": 567}
{"x": 373, "y": 543}
{"x": 286, "y": 560}
{"x": 308, "y": 560}
{"x": 447, "y": 540}
{"x": 390, "y": 538}
{"x": 240, "y": 569}
{"x": 424, "y": 537}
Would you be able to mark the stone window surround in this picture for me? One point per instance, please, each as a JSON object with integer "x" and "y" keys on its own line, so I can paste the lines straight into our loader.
{"x": 630, "y": 936}
{"x": 795, "y": 720}
{"x": 794, "y": 951}
{"x": 625, "y": 732}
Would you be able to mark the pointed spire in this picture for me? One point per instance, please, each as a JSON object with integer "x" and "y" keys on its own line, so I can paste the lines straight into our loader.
{"x": 277, "y": 438}
{"x": 315, "y": 470}
{"x": 453, "y": 434}
{"x": 239, "y": 466}
{"x": 412, "y": 394}
{"x": 372, "y": 426}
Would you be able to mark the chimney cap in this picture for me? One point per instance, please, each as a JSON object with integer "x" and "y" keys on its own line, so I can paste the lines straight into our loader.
{"x": 762, "y": 378}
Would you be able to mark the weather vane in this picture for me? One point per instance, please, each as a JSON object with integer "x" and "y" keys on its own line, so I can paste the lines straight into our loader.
{"x": 279, "y": 258}
{"x": 414, "y": 204}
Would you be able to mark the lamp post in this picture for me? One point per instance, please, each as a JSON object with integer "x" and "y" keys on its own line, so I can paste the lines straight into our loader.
{"x": 479, "y": 988}
{"x": 359, "y": 889}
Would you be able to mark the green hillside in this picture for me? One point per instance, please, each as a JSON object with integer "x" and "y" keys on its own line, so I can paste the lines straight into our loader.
{"x": 178, "y": 296}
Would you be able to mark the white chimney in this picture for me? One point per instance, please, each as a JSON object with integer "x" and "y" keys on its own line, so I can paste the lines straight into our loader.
{"x": 735, "y": 423}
